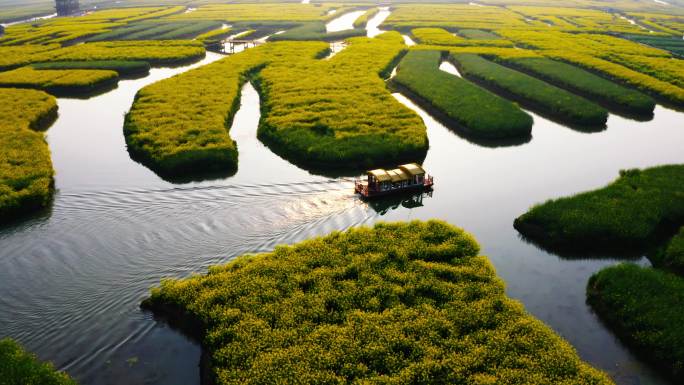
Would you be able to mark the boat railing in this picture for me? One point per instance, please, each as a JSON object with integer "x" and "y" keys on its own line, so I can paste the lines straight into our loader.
{"x": 429, "y": 180}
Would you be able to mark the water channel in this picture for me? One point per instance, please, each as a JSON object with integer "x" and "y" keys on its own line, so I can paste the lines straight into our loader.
{"x": 72, "y": 278}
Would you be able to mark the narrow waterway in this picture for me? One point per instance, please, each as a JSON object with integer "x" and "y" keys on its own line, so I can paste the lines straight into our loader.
{"x": 373, "y": 25}
{"x": 343, "y": 22}
{"x": 71, "y": 279}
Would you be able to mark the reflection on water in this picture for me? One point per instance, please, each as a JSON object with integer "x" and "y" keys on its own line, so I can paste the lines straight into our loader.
{"x": 71, "y": 280}
{"x": 383, "y": 205}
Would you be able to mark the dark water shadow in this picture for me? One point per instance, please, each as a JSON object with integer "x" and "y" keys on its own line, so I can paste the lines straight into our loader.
{"x": 409, "y": 200}
{"x": 182, "y": 175}
{"x": 596, "y": 249}
{"x": 27, "y": 217}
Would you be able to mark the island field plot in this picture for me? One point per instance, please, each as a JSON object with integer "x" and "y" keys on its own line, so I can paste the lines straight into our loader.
{"x": 25, "y": 168}
{"x": 389, "y": 302}
{"x": 156, "y": 52}
{"x": 70, "y": 29}
{"x": 635, "y": 210}
{"x": 114, "y": 227}
{"x": 336, "y": 113}
{"x": 643, "y": 305}
{"x": 60, "y": 81}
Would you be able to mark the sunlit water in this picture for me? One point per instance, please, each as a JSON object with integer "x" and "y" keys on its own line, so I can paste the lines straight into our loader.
{"x": 373, "y": 25}
{"x": 343, "y": 22}
{"x": 71, "y": 279}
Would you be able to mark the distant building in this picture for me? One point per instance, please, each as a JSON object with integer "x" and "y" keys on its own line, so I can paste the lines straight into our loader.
{"x": 67, "y": 7}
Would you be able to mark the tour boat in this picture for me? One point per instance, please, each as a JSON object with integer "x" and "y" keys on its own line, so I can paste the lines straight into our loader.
{"x": 380, "y": 182}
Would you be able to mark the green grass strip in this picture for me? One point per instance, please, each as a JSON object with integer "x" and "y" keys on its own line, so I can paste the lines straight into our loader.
{"x": 402, "y": 303}
{"x": 585, "y": 83}
{"x": 18, "y": 367}
{"x": 537, "y": 94}
{"x": 644, "y": 307}
{"x": 478, "y": 34}
{"x": 473, "y": 110}
{"x": 633, "y": 211}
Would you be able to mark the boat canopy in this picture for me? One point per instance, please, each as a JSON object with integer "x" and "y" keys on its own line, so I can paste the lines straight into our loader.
{"x": 380, "y": 175}
{"x": 412, "y": 169}
{"x": 398, "y": 175}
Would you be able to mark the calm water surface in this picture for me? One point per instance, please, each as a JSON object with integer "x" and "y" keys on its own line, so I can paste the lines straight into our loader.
{"x": 71, "y": 279}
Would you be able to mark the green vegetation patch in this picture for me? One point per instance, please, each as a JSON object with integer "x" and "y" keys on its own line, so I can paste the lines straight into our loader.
{"x": 630, "y": 212}
{"x": 398, "y": 303}
{"x": 315, "y": 30}
{"x": 478, "y": 34}
{"x": 644, "y": 307}
{"x": 475, "y": 111}
{"x": 25, "y": 166}
{"x": 671, "y": 257}
{"x": 585, "y": 83}
{"x": 20, "y": 367}
{"x": 60, "y": 82}
{"x": 541, "y": 96}
{"x": 669, "y": 43}
{"x": 120, "y": 66}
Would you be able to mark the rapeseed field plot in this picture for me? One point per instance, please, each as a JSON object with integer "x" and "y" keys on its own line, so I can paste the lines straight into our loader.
{"x": 20, "y": 367}
{"x": 661, "y": 22}
{"x": 20, "y": 55}
{"x": 574, "y": 19}
{"x": 391, "y": 304}
{"x": 338, "y": 112}
{"x": 25, "y": 166}
{"x": 292, "y": 12}
{"x": 66, "y": 82}
{"x": 181, "y": 124}
{"x": 153, "y": 52}
{"x": 333, "y": 113}
{"x": 69, "y": 29}
{"x": 439, "y": 36}
{"x": 455, "y": 16}
{"x": 611, "y": 57}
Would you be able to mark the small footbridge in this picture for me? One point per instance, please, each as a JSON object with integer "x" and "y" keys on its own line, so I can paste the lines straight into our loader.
{"x": 233, "y": 45}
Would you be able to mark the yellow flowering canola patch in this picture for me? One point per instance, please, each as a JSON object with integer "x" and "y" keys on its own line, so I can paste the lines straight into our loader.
{"x": 333, "y": 112}
{"x": 25, "y": 166}
{"x": 59, "y": 82}
{"x": 397, "y": 303}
